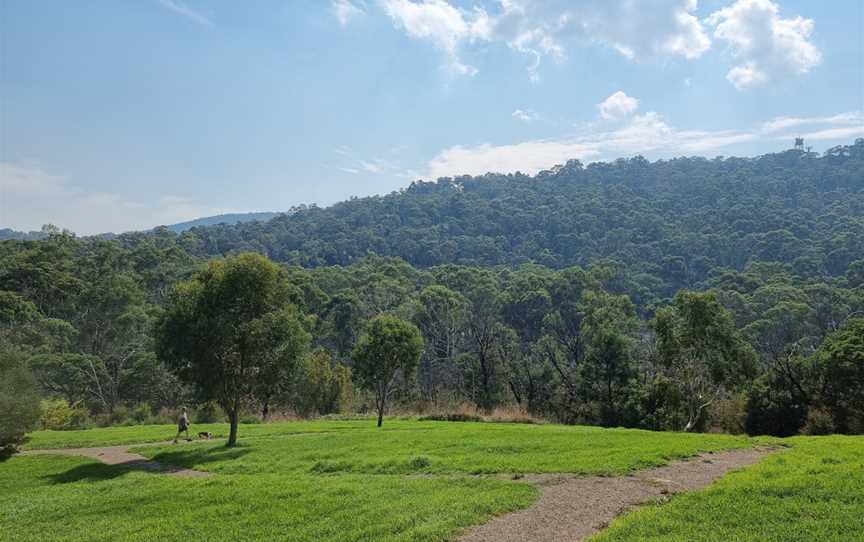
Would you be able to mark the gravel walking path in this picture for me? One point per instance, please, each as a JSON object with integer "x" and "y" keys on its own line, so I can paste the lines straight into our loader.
{"x": 573, "y": 508}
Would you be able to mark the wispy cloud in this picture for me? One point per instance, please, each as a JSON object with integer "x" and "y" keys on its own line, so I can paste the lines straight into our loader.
{"x": 649, "y": 134}
{"x": 854, "y": 119}
{"x": 345, "y": 11}
{"x": 182, "y": 9}
{"x": 525, "y": 115}
{"x": 442, "y": 24}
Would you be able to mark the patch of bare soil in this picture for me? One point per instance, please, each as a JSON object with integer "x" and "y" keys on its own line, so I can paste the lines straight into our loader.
{"x": 120, "y": 455}
{"x": 573, "y": 508}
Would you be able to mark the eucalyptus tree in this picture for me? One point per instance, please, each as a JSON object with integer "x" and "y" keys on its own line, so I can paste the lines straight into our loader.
{"x": 701, "y": 351}
{"x": 390, "y": 349}
{"x": 231, "y": 332}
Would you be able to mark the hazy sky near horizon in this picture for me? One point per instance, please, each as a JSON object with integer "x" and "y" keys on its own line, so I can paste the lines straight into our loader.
{"x": 120, "y": 115}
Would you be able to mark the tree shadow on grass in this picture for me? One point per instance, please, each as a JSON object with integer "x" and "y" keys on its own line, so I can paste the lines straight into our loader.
{"x": 179, "y": 463}
{"x": 194, "y": 458}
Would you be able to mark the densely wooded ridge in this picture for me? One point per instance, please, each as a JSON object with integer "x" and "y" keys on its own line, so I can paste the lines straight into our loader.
{"x": 679, "y": 294}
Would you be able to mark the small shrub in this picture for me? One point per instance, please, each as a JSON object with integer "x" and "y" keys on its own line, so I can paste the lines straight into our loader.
{"x": 208, "y": 412}
{"x": 728, "y": 415}
{"x": 19, "y": 403}
{"x": 250, "y": 419}
{"x": 419, "y": 463}
{"x": 59, "y": 415}
{"x": 140, "y": 413}
{"x": 819, "y": 422}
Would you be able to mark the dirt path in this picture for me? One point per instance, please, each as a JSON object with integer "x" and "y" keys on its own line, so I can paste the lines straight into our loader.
{"x": 573, "y": 508}
{"x": 120, "y": 455}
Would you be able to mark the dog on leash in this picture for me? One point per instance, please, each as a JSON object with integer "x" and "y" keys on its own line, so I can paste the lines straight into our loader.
{"x": 206, "y": 435}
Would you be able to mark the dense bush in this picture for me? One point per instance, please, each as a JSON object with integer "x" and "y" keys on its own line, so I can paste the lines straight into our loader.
{"x": 59, "y": 415}
{"x": 19, "y": 401}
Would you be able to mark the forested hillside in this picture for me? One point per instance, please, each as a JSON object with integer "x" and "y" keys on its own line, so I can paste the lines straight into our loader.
{"x": 670, "y": 222}
{"x": 683, "y": 294}
{"x": 227, "y": 219}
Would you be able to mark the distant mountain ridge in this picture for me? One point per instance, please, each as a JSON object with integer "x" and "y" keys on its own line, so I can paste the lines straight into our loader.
{"x": 229, "y": 218}
{"x": 10, "y": 234}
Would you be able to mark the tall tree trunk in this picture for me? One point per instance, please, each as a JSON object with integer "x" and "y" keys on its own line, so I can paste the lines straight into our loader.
{"x": 233, "y": 417}
{"x": 381, "y": 401}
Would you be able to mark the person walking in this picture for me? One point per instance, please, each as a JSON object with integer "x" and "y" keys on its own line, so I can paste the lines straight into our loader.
{"x": 182, "y": 426}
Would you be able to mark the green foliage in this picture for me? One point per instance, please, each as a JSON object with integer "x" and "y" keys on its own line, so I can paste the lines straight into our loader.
{"x": 59, "y": 415}
{"x": 19, "y": 403}
{"x": 774, "y": 407}
{"x": 230, "y": 333}
{"x": 323, "y": 386}
{"x": 391, "y": 347}
{"x": 702, "y": 351}
{"x": 671, "y": 222}
{"x": 208, "y": 412}
{"x": 841, "y": 361}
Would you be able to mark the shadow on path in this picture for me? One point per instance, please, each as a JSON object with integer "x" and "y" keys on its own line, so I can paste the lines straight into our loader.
{"x": 118, "y": 460}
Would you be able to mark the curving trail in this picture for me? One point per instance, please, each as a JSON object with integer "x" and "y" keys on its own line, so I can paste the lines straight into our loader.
{"x": 573, "y": 508}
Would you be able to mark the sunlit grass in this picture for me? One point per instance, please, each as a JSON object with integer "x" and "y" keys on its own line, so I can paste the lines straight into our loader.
{"x": 411, "y": 480}
{"x": 814, "y": 491}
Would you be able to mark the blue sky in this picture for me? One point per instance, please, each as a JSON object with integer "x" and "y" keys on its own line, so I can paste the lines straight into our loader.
{"x": 120, "y": 115}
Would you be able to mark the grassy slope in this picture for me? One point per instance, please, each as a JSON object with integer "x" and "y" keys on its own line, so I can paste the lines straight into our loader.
{"x": 815, "y": 491}
{"x": 66, "y": 498}
{"x": 407, "y": 446}
{"x": 313, "y": 480}
{"x": 440, "y": 447}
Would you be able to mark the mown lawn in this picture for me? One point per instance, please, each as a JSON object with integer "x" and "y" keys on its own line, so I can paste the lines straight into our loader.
{"x": 811, "y": 492}
{"x": 411, "y": 447}
{"x": 411, "y": 480}
{"x": 46, "y": 498}
{"x": 323, "y": 480}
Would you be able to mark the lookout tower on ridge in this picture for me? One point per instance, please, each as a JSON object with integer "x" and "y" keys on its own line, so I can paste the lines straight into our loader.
{"x": 799, "y": 143}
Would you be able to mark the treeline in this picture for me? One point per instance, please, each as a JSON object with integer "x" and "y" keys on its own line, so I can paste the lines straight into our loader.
{"x": 758, "y": 350}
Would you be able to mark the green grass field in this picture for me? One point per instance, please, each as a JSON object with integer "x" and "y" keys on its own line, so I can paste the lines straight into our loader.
{"x": 812, "y": 492}
{"x": 348, "y": 480}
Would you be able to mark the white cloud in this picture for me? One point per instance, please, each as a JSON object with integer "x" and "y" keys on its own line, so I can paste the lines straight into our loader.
{"x": 345, "y": 11}
{"x": 443, "y": 24}
{"x": 617, "y": 106}
{"x": 182, "y": 9}
{"x": 648, "y": 134}
{"x": 746, "y": 76}
{"x": 526, "y": 115}
{"x": 32, "y": 197}
{"x": 546, "y": 28}
{"x": 766, "y": 44}
{"x": 854, "y": 119}
{"x": 634, "y": 29}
